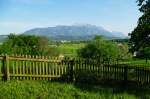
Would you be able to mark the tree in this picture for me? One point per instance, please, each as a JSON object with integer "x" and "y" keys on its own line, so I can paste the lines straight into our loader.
{"x": 99, "y": 49}
{"x": 123, "y": 53}
{"x": 25, "y": 44}
{"x": 144, "y": 53}
{"x": 140, "y": 36}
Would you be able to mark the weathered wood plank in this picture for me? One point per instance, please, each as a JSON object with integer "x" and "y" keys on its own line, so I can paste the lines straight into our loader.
{"x": 31, "y": 59}
{"x": 39, "y": 76}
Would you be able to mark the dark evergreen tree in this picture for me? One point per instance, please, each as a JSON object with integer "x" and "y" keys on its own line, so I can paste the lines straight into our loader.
{"x": 140, "y": 36}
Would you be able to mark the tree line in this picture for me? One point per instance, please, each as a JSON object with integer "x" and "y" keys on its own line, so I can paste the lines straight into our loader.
{"x": 26, "y": 45}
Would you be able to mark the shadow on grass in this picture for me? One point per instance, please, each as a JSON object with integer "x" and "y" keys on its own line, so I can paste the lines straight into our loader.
{"x": 91, "y": 83}
{"x": 116, "y": 87}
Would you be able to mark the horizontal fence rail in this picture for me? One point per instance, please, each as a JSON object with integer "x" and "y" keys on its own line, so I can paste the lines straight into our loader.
{"x": 26, "y": 67}
{"x": 32, "y": 68}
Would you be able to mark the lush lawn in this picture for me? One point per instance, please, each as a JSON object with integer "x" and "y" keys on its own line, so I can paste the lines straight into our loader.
{"x": 70, "y": 49}
{"x": 137, "y": 62}
{"x": 55, "y": 90}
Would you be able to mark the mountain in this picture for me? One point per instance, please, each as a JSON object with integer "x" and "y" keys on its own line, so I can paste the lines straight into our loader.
{"x": 118, "y": 34}
{"x": 3, "y": 38}
{"x": 74, "y": 32}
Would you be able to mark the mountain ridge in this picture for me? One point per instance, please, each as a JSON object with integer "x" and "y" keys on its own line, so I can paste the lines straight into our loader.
{"x": 74, "y": 32}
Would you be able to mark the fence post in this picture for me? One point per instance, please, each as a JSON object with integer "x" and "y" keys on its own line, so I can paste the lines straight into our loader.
{"x": 6, "y": 62}
{"x": 125, "y": 73}
{"x": 71, "y": 70}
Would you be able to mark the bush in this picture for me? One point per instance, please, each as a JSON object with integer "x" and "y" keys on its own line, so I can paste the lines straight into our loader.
{"x": 25, "y": 44}
{"x": 100, "y": 49}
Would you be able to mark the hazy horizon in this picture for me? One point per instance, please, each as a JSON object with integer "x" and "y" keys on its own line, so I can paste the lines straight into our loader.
{"x": 113, "y": 15}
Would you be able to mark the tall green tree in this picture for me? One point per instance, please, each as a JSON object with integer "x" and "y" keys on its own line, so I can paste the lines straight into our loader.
{"x": 25, "y": 44}
{"x": 140, "y": 36}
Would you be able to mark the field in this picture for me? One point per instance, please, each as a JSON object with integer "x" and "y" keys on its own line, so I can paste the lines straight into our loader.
{"x": 137, "y": 62}
{"x": 70, "y": 49}
{"x": 57, "y": 90}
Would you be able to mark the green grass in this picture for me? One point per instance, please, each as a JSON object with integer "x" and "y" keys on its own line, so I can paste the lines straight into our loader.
{"x": 55, "y": 90}
{"x": 137, "y": 62}
{"x": 70, "y": 49}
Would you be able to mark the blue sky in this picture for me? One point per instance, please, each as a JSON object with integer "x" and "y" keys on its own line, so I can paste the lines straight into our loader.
{"x": 114, "y": 15}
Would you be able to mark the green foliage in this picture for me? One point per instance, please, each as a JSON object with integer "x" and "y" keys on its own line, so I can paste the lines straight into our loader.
{"x": 123, "y": 52}
{"x": 121, "y": 40}
{"x": 24, "y": 44}
{"x": 144, "y": 53}
{"x": 100, "y": 49}
{"x": 140, "y": 37}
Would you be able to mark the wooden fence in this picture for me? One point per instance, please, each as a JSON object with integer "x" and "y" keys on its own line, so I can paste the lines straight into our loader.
{"x": 28, "y": 67}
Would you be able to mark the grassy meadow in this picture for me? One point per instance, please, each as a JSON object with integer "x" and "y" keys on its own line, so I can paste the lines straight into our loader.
{"x": 68, "y": 49}
{"x": 57, "y": 90}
